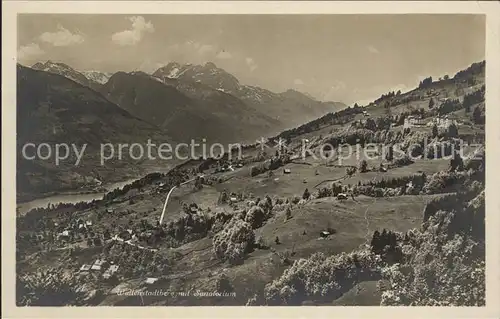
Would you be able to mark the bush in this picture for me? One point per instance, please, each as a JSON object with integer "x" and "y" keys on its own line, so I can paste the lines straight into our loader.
{"x": 350, "y": 170}
{"x": 234, "y": 241}
{"x": 255, "y": 217}
{"x": 50, "y": 288}
{"x": 306, "y": 194}
{"x": 435, "y": 130}
{"x": 295, "y": 200}
{"x": 443, "y": 262}
{"x": 456, "y": 163}
{"x": 390, "y": 153}
{"x": 431, "y": 103}
{"x": 443, "y": 182}
{"x": 441, "y": 269}
{"x": 324, "y": 192}
{"x": 478, "y": 115}
{"x": 321, "y": 277}
{"x": 403, "y": 161}
{"x": 363, "y": 166}
{"x": 288, "y": 213}
{"x": 414, "y": 143}
{"x": 452, "y": 130}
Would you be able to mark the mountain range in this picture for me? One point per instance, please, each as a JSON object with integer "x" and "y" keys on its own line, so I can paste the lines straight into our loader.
{"x": 176, "y": 103}
{"x": 290, "y": 108}
{"x": 207, "y": 85}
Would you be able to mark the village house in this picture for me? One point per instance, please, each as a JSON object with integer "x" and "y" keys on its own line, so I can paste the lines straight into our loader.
{"x": 414, "y": 121}
{"x": 133, "y": 239}
{"x": 324, "y": 234}
{"x": 442, "y": 122}
{"x": 193, "y": 209}
{"x": 110, "y": 271}
{"x": 98, "y": 265}
{"x": 85, "y": 268}
{"x": 64, "y": 235}
{"x": 341, "y": 196}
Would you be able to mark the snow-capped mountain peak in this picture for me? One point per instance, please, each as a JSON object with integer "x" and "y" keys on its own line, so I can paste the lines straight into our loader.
{"x": 208, "y": 74}
{"x": 97, "y": 76}
{"x": 66, "y": 71}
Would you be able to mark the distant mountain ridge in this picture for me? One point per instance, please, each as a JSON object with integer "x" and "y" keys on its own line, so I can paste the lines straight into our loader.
{"x": 290, "y": 107}
{"x": 68, "y": 72}
{"x": 211, "y": 99}
{"x": 97, "y": 76}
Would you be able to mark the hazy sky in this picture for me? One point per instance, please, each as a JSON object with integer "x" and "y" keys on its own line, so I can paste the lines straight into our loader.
{"x": 332, "y": 57}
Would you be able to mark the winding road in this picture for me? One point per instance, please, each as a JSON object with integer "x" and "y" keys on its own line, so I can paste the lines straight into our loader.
{"x": 170, "y": 192}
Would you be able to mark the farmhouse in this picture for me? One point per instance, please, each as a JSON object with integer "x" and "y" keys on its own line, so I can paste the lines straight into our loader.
{"x": 85, "y": 268}
{"x": 442, "y": 122}
{"x": 324, "y": 234}
{"x": 110, "y": 271}
{"x": 414, "y": 121}
{"x": 341, "y": 196}
{"x": 63, "y": 235}
{"x": 98, "y": 265}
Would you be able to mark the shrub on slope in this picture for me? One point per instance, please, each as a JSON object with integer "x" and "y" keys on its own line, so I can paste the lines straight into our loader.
{"x": 321, "y": 277}
{"x": 234, "y": 241}
{"x": 444, "y": 262}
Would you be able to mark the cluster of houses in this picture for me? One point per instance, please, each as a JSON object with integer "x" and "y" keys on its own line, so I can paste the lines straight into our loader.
{"x": 128, "y": 236}
{"x": 108, "y": 270}
{"x": 439, "y": 121}
{"x": 98, "y": 267}
{"x": 414, "y": 121}
{"x": 442, "y": 122}
{"x": 226, "y": 167}
{"x": 75, "y": 227}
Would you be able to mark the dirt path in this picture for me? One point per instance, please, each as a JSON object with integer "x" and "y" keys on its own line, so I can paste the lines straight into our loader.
{"x": 332, "y": 180}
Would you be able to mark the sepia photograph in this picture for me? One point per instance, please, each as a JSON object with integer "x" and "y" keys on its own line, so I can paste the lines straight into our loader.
{"x": 250, "y": 159}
